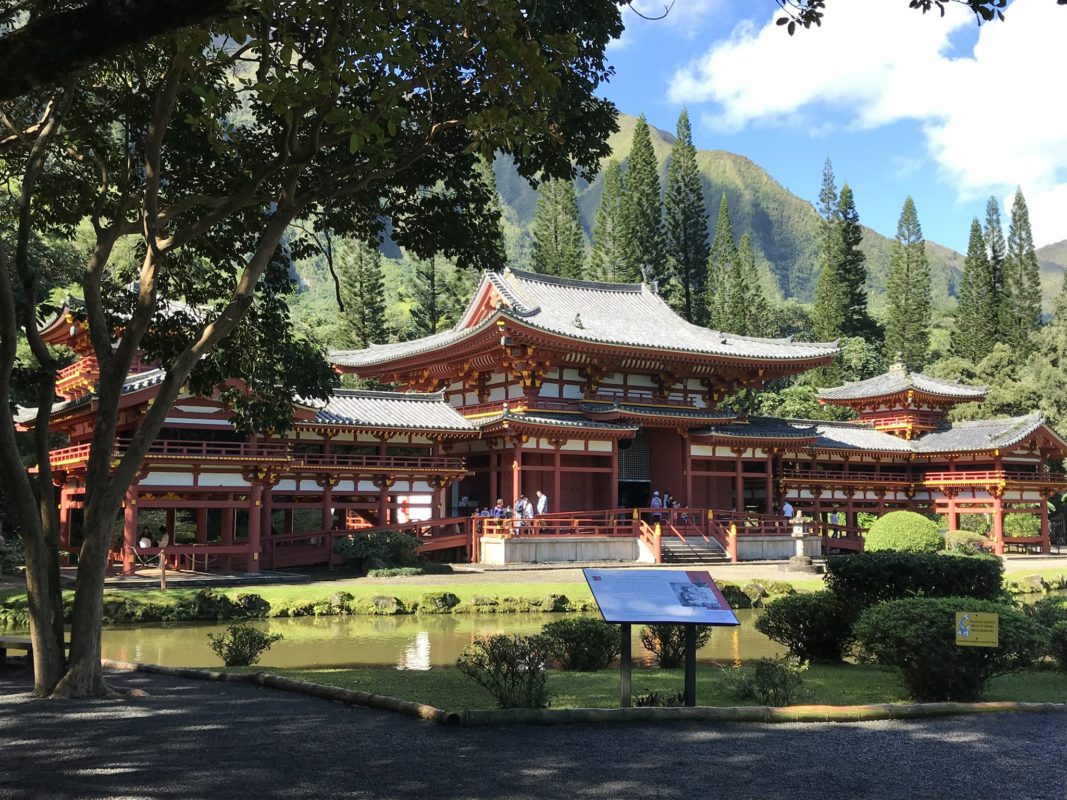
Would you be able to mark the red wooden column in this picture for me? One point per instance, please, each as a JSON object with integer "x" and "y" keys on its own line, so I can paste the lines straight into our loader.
{"x": 327, "y": 485}
{"x": 739, "y": 484}
{"x": 768, "y": 484}
{"x": 687, "y": 469}
{"x": 557, "y": 464}
{"x": 516, "y": 472}
{"x": 64, "y": 517}
{"x": 129, "y": 530}
{"x": 255, "y": 523}
{"x": 1046, "y": 541}
{"x": 383, "y": 485}
{"x": 226, "y": 531}
{"x": 998, "y": 525}
{"x": 953, "y": 512}
{"x": 614, "y": 492}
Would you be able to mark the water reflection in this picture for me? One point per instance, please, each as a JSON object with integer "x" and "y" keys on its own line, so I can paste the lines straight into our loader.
{"x": 405, "y": 642}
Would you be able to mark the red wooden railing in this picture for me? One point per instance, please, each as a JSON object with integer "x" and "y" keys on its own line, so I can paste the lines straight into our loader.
{"x": 992, "y": 476}
{"x": 841, "y": 476}
{"x": 345, "y": 461}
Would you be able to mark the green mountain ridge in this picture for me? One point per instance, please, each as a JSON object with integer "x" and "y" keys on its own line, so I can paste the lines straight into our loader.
{"x": 783, "y": 226}
{"x": 1052, "y": 259}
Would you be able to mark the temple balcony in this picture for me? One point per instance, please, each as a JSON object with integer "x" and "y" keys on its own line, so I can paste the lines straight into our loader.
{"x": 177, "y": 451}
{"x": 992, "y": 477}
{"x": 810, "y": 477}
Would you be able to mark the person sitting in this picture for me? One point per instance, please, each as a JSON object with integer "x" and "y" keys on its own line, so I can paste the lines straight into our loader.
{"x": 146, "y": 540}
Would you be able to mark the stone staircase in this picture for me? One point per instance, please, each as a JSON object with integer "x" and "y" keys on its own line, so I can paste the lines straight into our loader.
{"x": 693, "y": 550}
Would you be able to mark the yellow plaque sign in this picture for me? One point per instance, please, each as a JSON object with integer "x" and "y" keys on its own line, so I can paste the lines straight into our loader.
{"x": 977, "y": 629}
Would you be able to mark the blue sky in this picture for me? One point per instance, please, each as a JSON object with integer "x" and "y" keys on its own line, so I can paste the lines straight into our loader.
{"x": 902, "y": 103}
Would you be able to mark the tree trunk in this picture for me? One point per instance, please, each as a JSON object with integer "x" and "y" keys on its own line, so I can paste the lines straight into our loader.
{"x": 46, "y": 614}
{"x": 84, "y": 677}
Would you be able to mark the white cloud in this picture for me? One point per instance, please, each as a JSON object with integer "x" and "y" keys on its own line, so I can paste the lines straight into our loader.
{"x": 992, "y": 120}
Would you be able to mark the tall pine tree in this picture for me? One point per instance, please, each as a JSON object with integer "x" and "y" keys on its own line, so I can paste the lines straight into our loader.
{"x": 997, "y": 253}
{"x": 606, "y": 260}
{"x": 363, "y": 293}
{"x": 558, "y": 241}
{"x": 976, "y": 317}
{"x": 495, "y": 242}
{"x": 643, "y": 249}
{"x": 830, "y": 302}
{"x": 907, "y": 329}
{"x": 852, "y": 269}
{"x": 1023, "y": 275}
{"x": 686, "y": 227}
{"x": 725, "y": 288}
{"x": 758, "y": 320}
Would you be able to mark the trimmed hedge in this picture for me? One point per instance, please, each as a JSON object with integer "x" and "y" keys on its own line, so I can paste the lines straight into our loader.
{"x": 815, "y": 627}
{"x": 917, "y": 637}
{"x": 863, "y": 579}
{"x": 377, "y": 550}
{"x": 903, "y": 532}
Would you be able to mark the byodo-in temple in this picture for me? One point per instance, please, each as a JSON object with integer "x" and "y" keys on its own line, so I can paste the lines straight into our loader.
{"x": 597, "y": 395}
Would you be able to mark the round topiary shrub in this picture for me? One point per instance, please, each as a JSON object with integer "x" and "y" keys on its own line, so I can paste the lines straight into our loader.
{"x": 584, "y": 644}
{"x": 904, "y": 532}
{"x": 667, "y": 642}
{"x": 815, "y": 627}
{"x": 917, "y": 637}
{"x": 965, "y": 542}
{"x": 1050, "y": 615}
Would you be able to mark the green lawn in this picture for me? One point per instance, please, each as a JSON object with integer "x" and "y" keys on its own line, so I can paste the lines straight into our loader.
{"x": 843, "y": 684}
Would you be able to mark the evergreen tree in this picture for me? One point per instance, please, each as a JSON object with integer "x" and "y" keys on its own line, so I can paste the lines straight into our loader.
{"x": 976, "y": 317}
{"x": 363, "y": 293}
{"x": 428, "y": 297}
{"x": 1023, "y": 275}
{"x": 997, "y": 252}
{"x": 606, "y": 261}
{"x": 852, "y": 267}
{"x": 643, "y": 248}
{"x": 686, "y": 226}
{"x": 907, "y": 329}
{"x": 558, "y": 241}
{"x": 1046, "y": 374}
{"x": 725, "y": 289}
{"x": 758, "y": 317}
{"x": 830, "y": 299}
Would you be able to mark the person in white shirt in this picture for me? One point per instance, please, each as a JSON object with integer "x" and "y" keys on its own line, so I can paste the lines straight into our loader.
{"x": 542, "y": 503}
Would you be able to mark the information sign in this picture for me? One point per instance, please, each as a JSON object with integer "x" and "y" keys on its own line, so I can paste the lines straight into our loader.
{"x": 977, "y": 629}
{"x": 659, "y": 595}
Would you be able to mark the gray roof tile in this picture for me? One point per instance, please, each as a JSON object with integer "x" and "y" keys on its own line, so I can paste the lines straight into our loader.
{"x": 392, "y": 410}
{"x": 629, "y": 409}
{"x": 607, "y": 313}
{"x": 985, "y": 434}
{"x": 761, "y": 428}
{"x": 897, "y": 380}
{"x": 133, "y": 383}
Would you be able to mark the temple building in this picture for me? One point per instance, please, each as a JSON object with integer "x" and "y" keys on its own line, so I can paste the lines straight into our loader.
{"x": 597, "y": 395}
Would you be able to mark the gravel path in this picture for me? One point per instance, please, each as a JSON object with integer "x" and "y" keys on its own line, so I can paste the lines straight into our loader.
{"x": 201, "y": 740}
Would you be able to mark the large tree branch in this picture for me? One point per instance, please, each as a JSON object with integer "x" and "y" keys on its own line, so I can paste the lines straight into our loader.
{"x": 53, "y": 46}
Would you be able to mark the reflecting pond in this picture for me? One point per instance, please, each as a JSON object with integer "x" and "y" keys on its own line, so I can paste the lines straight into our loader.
{"x": 404, "y": 642}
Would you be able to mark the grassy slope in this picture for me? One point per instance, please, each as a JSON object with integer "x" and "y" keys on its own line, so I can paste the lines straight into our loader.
{"x": 843, "y": 684}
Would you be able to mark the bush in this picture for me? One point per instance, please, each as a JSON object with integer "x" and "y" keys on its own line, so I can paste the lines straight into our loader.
{"x": 771, "y": 681}
{"x": 584, "y": 644}
{"x": 903, "y": 532}
{"x": 426, "y": 568}
{"x": 377, "y": 550}
{"x": 667, "y": 642}
{"x": 815, "y": 627}
{"x": 12, "y": 556}
{"x": 965, "y": 542}
{"x": 916, "y": 636}
{"x": 658, "y": 699}
{"x": 863, "y": 579}
{"x": 251, "y": 606}
{"x": 242, "y": 645}
{"x": 735, "y": 595}
{"x": 759, "y": 593}
{"x": 1022, "y": 525}
{"x": 438, "y": 603}
{"x": 1050, "y": 615}
{"x": 511, "y": 668}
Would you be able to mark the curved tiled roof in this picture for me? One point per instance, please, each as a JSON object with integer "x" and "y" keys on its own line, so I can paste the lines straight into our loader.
{"x": 859, "y": 437}
{"x": 898, "y": 380}
{"x": 392, "y": 410}
{"x": 983, "y": 434}
{"x": 770, "y": 428}
{"x": 554, "y": 420}
{"x": 133, "y": 383}
{"x": 620, "y": 314}
{"x": 631, "y": 410}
